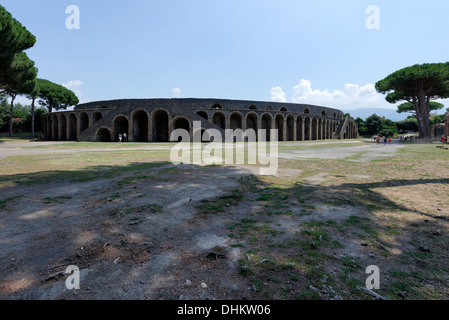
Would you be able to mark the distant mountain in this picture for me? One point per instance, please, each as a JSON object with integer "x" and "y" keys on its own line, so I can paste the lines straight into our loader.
{"x": 387, "y": 113}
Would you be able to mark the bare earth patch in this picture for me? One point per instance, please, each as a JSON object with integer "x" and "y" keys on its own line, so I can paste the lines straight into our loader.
{"x": 152, "y": 230}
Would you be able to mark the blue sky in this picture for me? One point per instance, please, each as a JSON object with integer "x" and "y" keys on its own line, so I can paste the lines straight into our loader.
{"x": 318, "y": 52}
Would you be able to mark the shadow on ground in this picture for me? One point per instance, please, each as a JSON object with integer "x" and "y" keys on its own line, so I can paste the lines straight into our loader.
{"x": 157, "y": 231}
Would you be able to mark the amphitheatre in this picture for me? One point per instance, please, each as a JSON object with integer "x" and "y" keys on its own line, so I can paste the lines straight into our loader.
{"x": 140, "y": 227}
{"x": 153, "y": 120}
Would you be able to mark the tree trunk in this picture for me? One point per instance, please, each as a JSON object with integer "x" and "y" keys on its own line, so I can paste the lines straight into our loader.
{"x": 11, "y": 113}
{"x": 423, "y": 110}
{"x": 32, "y": 118}
{"x": 418, "y": 116}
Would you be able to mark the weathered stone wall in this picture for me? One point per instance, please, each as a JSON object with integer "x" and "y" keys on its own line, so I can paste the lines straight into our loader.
{"x": 154, "y": 120}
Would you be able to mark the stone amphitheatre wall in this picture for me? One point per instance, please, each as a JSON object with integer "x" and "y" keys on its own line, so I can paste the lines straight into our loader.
{"x": 153, "y": 120}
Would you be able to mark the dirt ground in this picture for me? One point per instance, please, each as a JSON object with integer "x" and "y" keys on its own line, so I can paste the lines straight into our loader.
{"x": 190, "y": 232}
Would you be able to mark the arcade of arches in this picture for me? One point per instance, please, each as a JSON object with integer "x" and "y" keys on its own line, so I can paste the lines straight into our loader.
{"x": 156, "y": 126}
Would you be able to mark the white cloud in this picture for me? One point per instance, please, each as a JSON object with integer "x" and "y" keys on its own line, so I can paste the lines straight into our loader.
{"x": 278, "y": 95}
{"x": 176, "y": 92}
{"x": 75, "y": 86}
{"x": 352, "y": 96}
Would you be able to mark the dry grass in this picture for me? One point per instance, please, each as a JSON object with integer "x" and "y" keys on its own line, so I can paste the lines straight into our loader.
{"x": 393, "y": 213}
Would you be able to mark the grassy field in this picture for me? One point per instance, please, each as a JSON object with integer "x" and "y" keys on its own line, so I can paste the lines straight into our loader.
{"x": 301, "y": 237}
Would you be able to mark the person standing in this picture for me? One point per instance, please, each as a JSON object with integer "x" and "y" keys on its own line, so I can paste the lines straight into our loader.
{"x": 389, "y": 141}
{"x": 120, "y": 137}
{"x": 125, "y": 137}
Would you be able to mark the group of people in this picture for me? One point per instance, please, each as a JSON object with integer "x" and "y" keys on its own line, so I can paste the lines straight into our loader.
{"x": 43, "y": 137}
{"x": 123, "y": 137}
{"x": 409, "y": 138}
{"x": 385, "y": 139}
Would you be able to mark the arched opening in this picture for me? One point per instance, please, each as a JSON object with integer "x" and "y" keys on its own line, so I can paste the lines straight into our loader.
{"x": 335, "y": 115}
{"x": 253, "y": 107}
{"x": 120, "y": 127}
{"x": 63, "y": 135}
{"x": 202, "y": 114}
{"x": 73, "y": 127}
{"x": 266, "y": 125}
{"x": 55, "y": 135}
{"x": 314, "y": 129}
{"x": 48, "y": 127}
{"x": 290, "y": 128}
{"x": 219, "y": 120}
{"x": 204, "y": 137}
{"x": 323, "y": 114}
{"x": 217, "y": 106}
{"x": 84, "y": 121}
{"x": 270, "y": 108}
{"x": 283, "y": 109}
{"x": 103, "y": 135}
{"x": 181, "y": 123}
{"x": 299, "y": 129}
{"x": 279, "y": 126}
{"x": 160, "y": 126}
{"x": 236, "y": 121}
{"x": 307, "y": 111}
{"x": 97, "y": 116}
{"x": 307, "y": 128}
{"x": 140, "y": 126}
{"x": 320, "y": 129}
{"x": 325, "y": 129}
{"x": 251, "y": 122}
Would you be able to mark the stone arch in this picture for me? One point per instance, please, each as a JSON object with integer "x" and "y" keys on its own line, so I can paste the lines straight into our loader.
{"x": 121, "y": 125}
{"x": 202, "y": 114}
{"x": 325, "y": 129}
{"x": 63, "y": 128}
{"x": 335, "y": 115}
{"x": 251, "y": 122}
{"x": 270, "y": 108}
{"x": 283, "y": 109}
{"x": 73, "y": 127}
{"x": 307, "y": 111}
{"x": 236, "y": 121}
{"x": 219, "y": 120}
{"x": 307, "y": 129}
{"x": 253, "y": 107}
{"x": 97, "y": 116}
{"x": 217, "y": 106}
{"x": 323, "y": 114}
{"x": 84, "y": 121}
{"x": 314, "y": 128}
{"x": 279, "y": 125}
{"x": 320, "y": 129}
{"x": 181, "y": 123}
{"x": 55, "y": 128}
{"x": 300, "y": 129}
{"x": 266, "y": 123}
{"x": 160, "y": 126}
{"x": 290, "y": 128}
{"x": 140, "y": 126}
{"x": 48, "y": 127}
{"x": 103, "y": 135}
